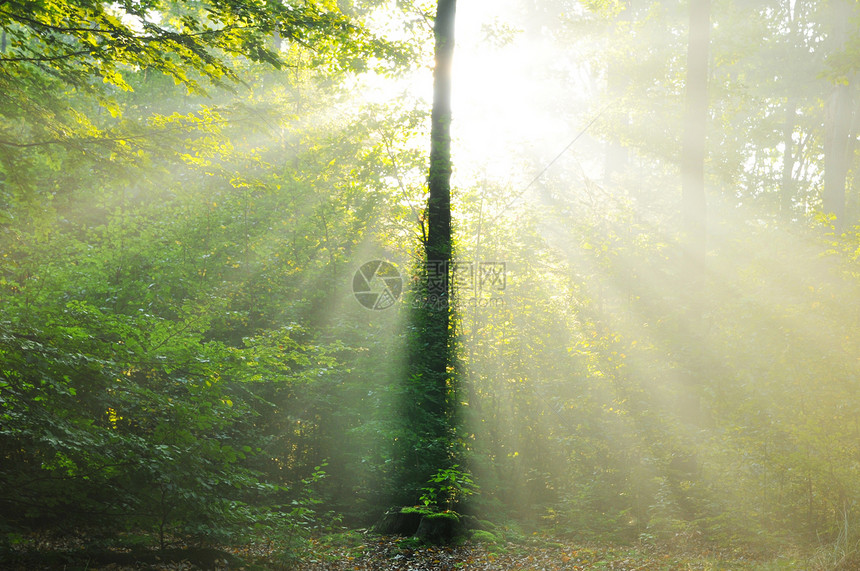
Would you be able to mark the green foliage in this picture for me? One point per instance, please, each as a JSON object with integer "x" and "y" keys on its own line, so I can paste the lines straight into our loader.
{"x": 156, "y": 267}
{"x": 447, "y": 489}
{"x": 180, "y": 352}
{"x": 79, "y": 40}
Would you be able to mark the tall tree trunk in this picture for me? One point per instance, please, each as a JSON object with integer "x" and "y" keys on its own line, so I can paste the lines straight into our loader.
{"x": 438, "y": 246}
{"x": 693, "y": 206}
{"x": 838, "y": 115}
{"x": 694, "y": 210}
{"x": 428, "y": 409}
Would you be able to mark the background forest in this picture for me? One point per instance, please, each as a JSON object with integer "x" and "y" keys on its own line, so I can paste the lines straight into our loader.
{"x": 187, "y": 190}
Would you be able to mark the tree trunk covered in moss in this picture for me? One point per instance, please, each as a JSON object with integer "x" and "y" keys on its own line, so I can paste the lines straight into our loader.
{"x": 428, "y": 407}
{"x": 438, "y": 246}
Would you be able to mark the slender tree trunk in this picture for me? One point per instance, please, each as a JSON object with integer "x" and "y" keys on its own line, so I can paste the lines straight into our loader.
{"x": 693, "y": 206}
{"x": 693, "y": 143}
{"x": 838, "y": 117}
{"x": 438, "y": 245}
{"x": 786, "y": 195}
{"x": 428, "y": 408}
{"x": 277, "y": 42}
{"x": 787, "y": 186}
{"x": 837, "y": 126}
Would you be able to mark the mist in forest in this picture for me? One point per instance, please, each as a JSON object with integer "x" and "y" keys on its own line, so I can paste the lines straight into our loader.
{"x": 214, "y": 280}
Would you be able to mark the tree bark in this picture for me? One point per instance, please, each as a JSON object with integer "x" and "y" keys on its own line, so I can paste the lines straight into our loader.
{"x": 428, "y": 412}
{"x": 438, "y": 245}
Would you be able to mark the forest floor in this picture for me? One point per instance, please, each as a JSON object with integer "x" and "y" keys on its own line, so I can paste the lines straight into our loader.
{"x": 399, "y": 554}
{"x": 353, "y": 551}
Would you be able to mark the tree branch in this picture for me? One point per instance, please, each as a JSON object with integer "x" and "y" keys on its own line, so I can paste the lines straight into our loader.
{"x": 44, "y": 58}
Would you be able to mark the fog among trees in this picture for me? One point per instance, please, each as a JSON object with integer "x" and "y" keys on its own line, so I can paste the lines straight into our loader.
{"x": 365, "y": 284}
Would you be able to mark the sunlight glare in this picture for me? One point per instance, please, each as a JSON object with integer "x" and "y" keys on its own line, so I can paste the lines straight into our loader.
{"x": 506, "y": 96}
